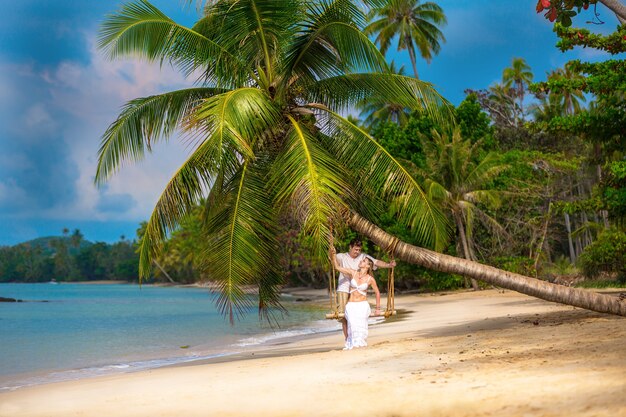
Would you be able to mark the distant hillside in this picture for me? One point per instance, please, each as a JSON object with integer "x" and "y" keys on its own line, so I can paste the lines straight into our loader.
{"x": 47, "y": 244}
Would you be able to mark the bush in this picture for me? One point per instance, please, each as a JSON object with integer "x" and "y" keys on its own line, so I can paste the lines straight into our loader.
{"x": 606, "y": 254}
{"x": 440, "y": 281}
{"x": 517, "y": 264}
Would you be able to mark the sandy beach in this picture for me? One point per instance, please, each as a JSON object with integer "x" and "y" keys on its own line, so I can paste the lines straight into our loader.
{"x": 492, "y": 353}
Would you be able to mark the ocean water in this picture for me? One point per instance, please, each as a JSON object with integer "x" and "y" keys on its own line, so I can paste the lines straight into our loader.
{"x": 87, "y": 330}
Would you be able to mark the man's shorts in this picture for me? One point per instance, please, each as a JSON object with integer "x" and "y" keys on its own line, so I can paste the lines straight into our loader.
{"x": 342, "y": 300}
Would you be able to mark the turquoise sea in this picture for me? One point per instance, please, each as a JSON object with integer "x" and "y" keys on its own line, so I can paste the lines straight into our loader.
{"x": 72, "y": 331}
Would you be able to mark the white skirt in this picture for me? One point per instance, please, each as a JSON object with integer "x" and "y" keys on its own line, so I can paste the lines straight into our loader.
{"x": 357, "y": 314}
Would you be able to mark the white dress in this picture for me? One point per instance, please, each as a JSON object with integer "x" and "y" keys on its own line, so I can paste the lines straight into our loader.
{"x": 357, "y": 315}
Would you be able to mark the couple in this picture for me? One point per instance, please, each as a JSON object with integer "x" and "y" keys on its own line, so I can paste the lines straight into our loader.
{"x": 356, "y": 275}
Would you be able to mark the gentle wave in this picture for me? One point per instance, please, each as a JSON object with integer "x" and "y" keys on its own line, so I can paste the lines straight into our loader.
{"x": 95, "y": 371}
{"x": 135, "y": 366}
{"x": 318, "y": 327}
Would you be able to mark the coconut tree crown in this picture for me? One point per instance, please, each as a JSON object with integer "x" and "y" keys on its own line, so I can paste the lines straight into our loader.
{"x": 414, "y": 23}
{"x": 264, "y": 116}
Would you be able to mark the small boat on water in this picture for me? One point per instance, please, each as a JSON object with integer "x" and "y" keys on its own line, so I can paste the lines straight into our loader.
{"x": 53, "y": 281}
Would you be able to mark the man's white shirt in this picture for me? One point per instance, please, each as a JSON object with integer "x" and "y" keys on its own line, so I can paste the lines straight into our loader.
{"x": 346, "y": 261}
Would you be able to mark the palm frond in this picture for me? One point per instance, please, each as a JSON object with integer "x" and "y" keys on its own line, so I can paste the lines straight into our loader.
{"x": 486, "y": 170}
{"x": 184, "y": 190}
{"x": 491, "y": 223}
{"x": 489, "y": 198}
{"x": 412, "y": 23}
{"x": 436, "y": 191}
{"x": 243, "y": 248}
{"x": 143, "y": 122}
{"x": 309, "y": 182}
{"x": 378, "y": 172}
{"x": 139, "y": 28}
{"x": 344, "y": 92}
{"x": 331, "y": 41}
{"x": 257, "y": 29}
{"x": 240, "y": 117}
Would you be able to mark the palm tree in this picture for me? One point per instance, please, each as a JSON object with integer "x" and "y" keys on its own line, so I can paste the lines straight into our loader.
{"x": 264, "y": 120}
{"x": 377, "y": 110}
{"x": 518, "y": 76}
{"x": 76, "y": 238}
{"x": 546, "y": 109}
{"x": 568, "y": 99}
{"x": 501, "y": 105}
{"x": 267, "y": 138}
{"x": 457, "y": 179}
{"x": 416, "y": 24}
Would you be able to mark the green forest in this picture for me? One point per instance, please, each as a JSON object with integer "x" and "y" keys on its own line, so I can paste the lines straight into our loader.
{"x": 527, "y": 174}
{"x": 69, "y": 257}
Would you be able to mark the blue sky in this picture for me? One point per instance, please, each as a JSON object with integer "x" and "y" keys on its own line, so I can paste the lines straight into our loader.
{"x": 58, "y": 94}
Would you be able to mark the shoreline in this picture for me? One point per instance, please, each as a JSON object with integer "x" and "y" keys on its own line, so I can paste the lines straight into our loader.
{"x": 452, "y": 354}
{"x": 264, "y": 337}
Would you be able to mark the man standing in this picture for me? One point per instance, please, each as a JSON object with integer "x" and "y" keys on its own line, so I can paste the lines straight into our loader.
{"x": 351, "y": 260}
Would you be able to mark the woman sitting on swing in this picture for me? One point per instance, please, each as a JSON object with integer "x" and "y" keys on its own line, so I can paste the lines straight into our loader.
{"x": 358, "y": 309}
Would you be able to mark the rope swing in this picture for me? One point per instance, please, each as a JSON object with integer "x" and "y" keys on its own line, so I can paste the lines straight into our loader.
{"x": 332, "y": 288}
{"x": 390, "y": 310}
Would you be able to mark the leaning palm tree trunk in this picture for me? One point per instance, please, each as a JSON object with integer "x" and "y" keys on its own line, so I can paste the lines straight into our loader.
{"x": 589, "y": 300}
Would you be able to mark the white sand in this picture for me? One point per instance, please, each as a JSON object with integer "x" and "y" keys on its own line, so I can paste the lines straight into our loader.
{"x": 465, "y": 354}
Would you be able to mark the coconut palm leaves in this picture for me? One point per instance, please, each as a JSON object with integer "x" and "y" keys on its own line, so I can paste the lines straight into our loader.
{"x": 142, "y": 123}
{"x": 242, "y": 233}
{"x": 375, "y": 110}
{"x": 265, "y": 131}
{"x": 378, "y": 174}
{"x": 140, "y": 29}
{"x": 457, "y": 178}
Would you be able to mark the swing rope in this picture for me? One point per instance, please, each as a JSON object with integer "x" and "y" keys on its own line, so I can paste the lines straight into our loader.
{"x": 391, "y": 291}
{"x": 332, "y": 282}
{"x": 332, "y": 291}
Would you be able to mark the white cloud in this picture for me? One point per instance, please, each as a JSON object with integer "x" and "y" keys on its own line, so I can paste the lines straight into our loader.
{"x": 92, "y": 96}
{"x": 10, "y": 90}
{"x": 68, "y": 74}
{"x": 12, "y": 195}
{"x": 37, "y": 122}
{"x": 15, "y": 161}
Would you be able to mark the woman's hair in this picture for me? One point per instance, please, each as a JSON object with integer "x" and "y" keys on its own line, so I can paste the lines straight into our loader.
{"x": 370, "y": 268}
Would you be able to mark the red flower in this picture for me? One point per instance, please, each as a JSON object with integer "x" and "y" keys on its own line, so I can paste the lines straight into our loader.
{"x": 542, "y": 4}
{"x": 586, "y": 6}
